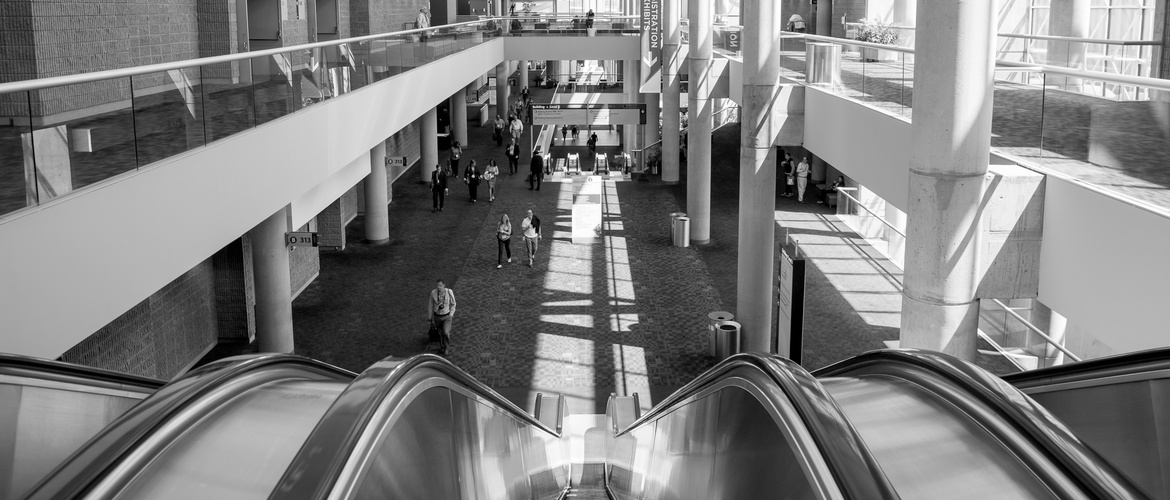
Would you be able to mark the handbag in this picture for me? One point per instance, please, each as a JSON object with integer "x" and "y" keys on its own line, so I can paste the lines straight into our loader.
{"x": 791, "y": 181}
{"x": 433, "y": 334}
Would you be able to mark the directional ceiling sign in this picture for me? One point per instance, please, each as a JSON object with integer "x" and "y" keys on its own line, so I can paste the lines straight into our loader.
{"x": 651, "y": 47}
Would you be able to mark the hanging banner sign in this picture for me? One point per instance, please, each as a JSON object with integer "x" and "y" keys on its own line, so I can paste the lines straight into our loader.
{"x": 595, "y": 114}
{"x": 651, "y": 47}
{"x": 731, "y": 40}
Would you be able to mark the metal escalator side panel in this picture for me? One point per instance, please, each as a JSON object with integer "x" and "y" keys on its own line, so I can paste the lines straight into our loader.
{"x": 438, "y": 439}
{"x": 237, "y": 450}
{"x": 345, "y": 444}
{"x": 1038, "y": 438}
{"x": 123, "y": 440}
{"x": 1148, "y": 364}
{"x": 929, "y": 448}
{"x": 49, "y": 409}
{"x": 821, "y": 434}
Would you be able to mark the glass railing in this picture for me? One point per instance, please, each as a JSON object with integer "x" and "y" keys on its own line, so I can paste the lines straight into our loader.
{"x": 65, "y": 133}
{"x": 1119, "y": 57}
{"x": 573, "y": 25}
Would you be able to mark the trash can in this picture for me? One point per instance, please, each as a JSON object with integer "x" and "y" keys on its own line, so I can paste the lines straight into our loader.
{"x": 673, "y": 216}
{"x": 726, "y": 339}
{"x": 713, "y": 321}
{"x": 682, "y": 231}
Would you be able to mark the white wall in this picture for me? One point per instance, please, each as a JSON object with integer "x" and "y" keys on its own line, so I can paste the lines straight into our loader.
{"x": 71, "y": 266}
{"x": 1105, "y": 265}
{"x": 552, "y": 48}
{"x": 869, "y": 146}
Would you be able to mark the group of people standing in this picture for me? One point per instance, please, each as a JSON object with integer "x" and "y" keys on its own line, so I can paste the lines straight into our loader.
{"x": 795, "y": 174}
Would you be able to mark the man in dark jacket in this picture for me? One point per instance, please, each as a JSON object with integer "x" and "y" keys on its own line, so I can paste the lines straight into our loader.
{"x": 438, "y": 188}
{"x": 536, "y": 169}
{"x": 513, "y": 154}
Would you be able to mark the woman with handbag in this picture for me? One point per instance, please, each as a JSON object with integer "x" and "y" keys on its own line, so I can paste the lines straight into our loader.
{"x": 471, "y": 177}
{"x": 489, "y": 174}
{"x": 504, "y": 241}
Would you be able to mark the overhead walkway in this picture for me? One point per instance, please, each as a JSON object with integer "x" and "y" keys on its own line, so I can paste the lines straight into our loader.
{"x": 894, "y": 424}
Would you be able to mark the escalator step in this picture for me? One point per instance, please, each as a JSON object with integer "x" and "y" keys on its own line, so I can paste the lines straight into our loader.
{"x": 594, "y": 493}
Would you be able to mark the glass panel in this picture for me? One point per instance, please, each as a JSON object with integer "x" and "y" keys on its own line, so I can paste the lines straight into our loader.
{"x": 416, "y": 457}
{"x": 1017, "y": 116}
{"x": 227, "y": 98}
{"x": 272, "y": 88}
{"x": 84, "y": 133}
{"x": 168, "y": 113}
{"x": 17, "y": 169}
{"x": 753, "y": 458}
{"x": 259, "y": 431}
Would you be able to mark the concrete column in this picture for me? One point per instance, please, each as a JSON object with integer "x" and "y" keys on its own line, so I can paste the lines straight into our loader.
{"x": 502, "y": 90}
{"x": 825, "y": 18}
{"x": 458, "y": 104}
{"x": 671, "y": 35}
{"x": 274, "y": 324}
{"x": 699, "y": 126}
{"x": 653, "y": 117}
{"x": 631, "y": 75}
{"x": 524, "y": 81}
{"x": 950, "y": 143}
{"x": 756, "y": 275}
{"x": 427, "y": 134}
{"x": 377, "y": 220}
{"x": 1068, "y": 18}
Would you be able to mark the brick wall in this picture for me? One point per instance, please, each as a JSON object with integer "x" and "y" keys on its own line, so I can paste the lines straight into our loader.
{"x": 304, "y": 264}
{"x": 235, "y": 291}
{"x": 160, "y": 336}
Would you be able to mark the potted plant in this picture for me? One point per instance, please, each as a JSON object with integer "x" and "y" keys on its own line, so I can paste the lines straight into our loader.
{"x": 876, "y": 31}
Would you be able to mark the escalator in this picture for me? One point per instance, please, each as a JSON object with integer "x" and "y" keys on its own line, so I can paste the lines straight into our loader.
{"x": 881, "y": 426}
{"x": 1119, "y": 405}
{"x": 48, "y": 409}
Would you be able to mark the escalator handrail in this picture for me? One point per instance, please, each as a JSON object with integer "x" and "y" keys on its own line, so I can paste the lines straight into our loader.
{"x": 1096, "y": 476}
{"x": 58, "y": 371}
{"x": 89, "y": 465}
{"x": 319, "y": 464}
{"x": 1151, "y": 360}
{"x": 852, "y": 464}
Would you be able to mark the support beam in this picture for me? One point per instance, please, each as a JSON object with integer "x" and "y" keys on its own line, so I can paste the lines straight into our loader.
{"x": 671, "y": 37}
{"x": 274, "y": 324}
{"x": 458, "y": 105}
{"x": 950, "y": 143}
{"x": 757, "y": 175}
{"x": 377, "y": 219}
{"x": 699, "y": 123}
{"x": 502, "y": 90}
{"x": 429, "y": 147}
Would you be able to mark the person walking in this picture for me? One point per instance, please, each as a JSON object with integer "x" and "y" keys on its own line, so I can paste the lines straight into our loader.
{"x": 489, "y": 174}
{"x": 564, "y": 134}
{"x": 498, "y": 131}
{"x": 593, "y": 143}
{"x": 471, "y": 177}
{"x": 589, "y": 19}
{"x": 517, "y": 128}
{"x": 513, "y": 154}
{"x": 531, "y": 229}
{"x": 438, "y": 188}
{"x": 456, "y": 153}
{"x": 801, "y": 179}
{"x": 441, "y": 313}
{"x": 788, "y": 170}
{"x": 535, "y": 169}
{"x": 503, "y": 241}
{"x": 576, "y": 133}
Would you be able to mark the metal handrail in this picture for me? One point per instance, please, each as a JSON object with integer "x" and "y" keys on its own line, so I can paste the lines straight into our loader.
{"x": 1036, "y": 330}
{"x": 57, "y": 81}
{"x": 1102, "y": 41}
{"x": 844, "y": 191}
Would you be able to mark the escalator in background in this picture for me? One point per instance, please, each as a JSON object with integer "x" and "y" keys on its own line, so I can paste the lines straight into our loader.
{"x": 1119, "y": 405}
{"x": 48, "y": 409}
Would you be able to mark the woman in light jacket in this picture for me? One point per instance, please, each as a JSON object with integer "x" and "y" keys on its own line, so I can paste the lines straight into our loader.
{"x": 503, "y": 240}
{"x": 489, "y": 174}
{"x": 801, "y": 179}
